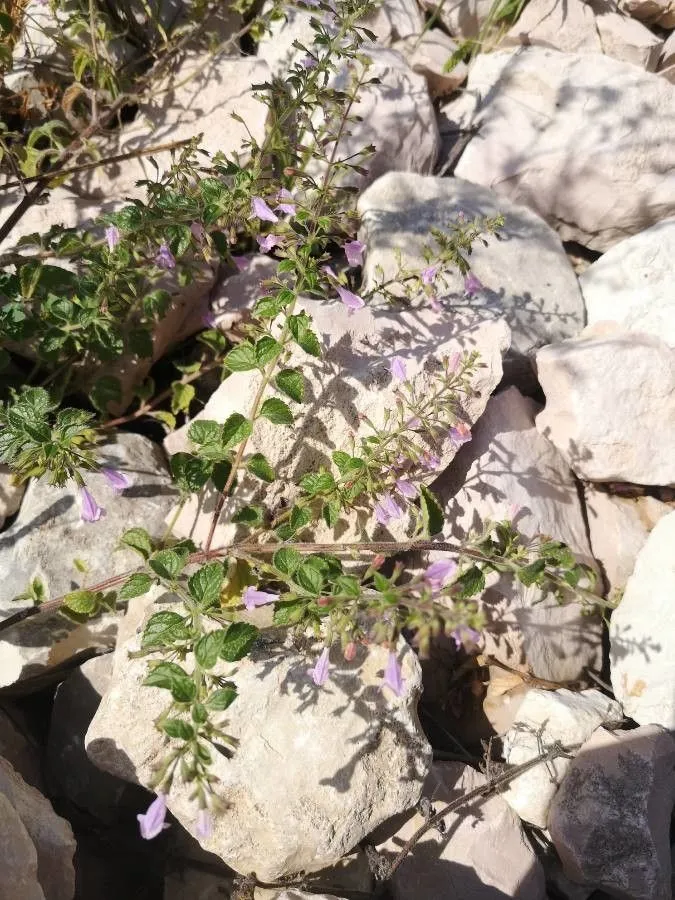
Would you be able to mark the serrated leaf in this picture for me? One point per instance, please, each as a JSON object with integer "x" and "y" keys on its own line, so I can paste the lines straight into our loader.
{"x": 167, "y": 563}
{"x": 178, "y": 728}
{"x": 469, "y": 583}
{"x": 206, "y": 583}
{"x": 238, "y": 640}
{"x": 242, "y": 358}
{"x": 182, "y": 396}
{"x": 236, "y": 429}
{"x": 190, "y": 472}
{"x": 82, "y": 602}
{"x": 163, "y": 629}
{"x": 266, "y": 349}
{"x": 286, "y": 560}
{"x": 258, "y": 465}
{"x": 432, "y": 512}
{"x": 529, "y": 575}
{"x": 317, "y": 483}
{"x": 291, "y": 383}
{"x": 172, "y": 677}
{"x": 248, "y": 515}
{"x": 303, "y": 335}
{"x": 289, "y": 612}
{"x": 207, "y": 649}
{"x": 331, "y": 513}
{"x": 139, "y": 540}
{"x": 309, "y": 578}
{"x": 165, "y": 417}
{"x": 136, "y": 586}
{"x": 276, "y": 411}
{"x": 204, "y": 431}
{"x": 347, "y": 585}
{"x": 222, "y": 698}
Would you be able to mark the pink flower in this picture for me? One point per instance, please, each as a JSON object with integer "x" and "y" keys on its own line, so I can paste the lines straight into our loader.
{"x": 429, "y": 274}
{"x": 350, "y": 300}
{"x": 350, "y": 651}
{"x": 241, "y": 262}
{"x": 439, "y": 573}
{"x": 472, "y": 284}
{"x": 406, "y": 488}
{"x": 90, "y": 510}
{"x": 354, "y": 252}
{"x": 392, "y": 674}
{"x": 118, "y": 481}
{"x": 260, "y": 210}
{"x": 112, "y": 236}
{"x": 430, "y": 460}
{"x": 165, "y": 258}
{"x": 387, "y": 509}
{"x": 460, "y": 434}
{"x": 152, "y": 822}
{"x": 464, "y": 633}
{"x": 398, "y": 369}
{"x": 204, "y": 824}
{"x": 268, "y": 242}
{"x": 197, "y": 230}
{"x": 319, "y": 672}
{"x": 253, "y": 598}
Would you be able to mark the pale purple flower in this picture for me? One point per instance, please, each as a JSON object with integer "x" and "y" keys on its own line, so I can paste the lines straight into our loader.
{"x": 460, "y": 434}
{"x": 429, "y": 274}
{"x": 308, "y": 62}
{"x": 406, "y": 488}
{"x": 414, "y": 423}
{"x": 165, "y": 258}
{"x": 112, "y": 236}
{"x": 392, "y": 674}
{"x": 260, "y": 210}
{"x": 387, "y": 509}
{"x": 268, "y": 242}
{"x": 464, "y": 633}
{"x": 472, "y": 284}
{"x": 350, "y": 300}
{"x": 118, "y": 481}
{"x": 286, "y": 205}
{"x": 241, "y": 262}
{"x": 436, "y": 304}
{"x": 209, "y": 319}
{"x": 152, "y": 822}
{"x": 197, "y": 230}
{"x": 328, "y": 271}
{"x": 430, "y": 460}
{"x": 204, "y": 824}
{"x": 354, "y": 252}
{"x": 439, "y": 573}
{"x": 319, "y": 672}
{"x": 398, "y": 369}
{"x": 253, "y": 598}
{"x": 454, "y": 360}
{"x": 90, "y": 510}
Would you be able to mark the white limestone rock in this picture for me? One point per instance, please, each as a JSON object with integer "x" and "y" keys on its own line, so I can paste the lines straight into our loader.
{"x": 567, "y": 26}
{"x": 632, "y": 283}
{"x": 527, "y": 277}
{"x": 18, "y": 876}
{"x": 642, "y": 633}
{"x": 483, "y": 852}
{"x": 609, "y": 820}
{"x": 610, "y": 405}
{"x": 543, "y": 718}
{"x": 427, "y": 54}
{"x": 462, "y": 18}
{"x": 11, "y": 494}
{"x": 315, "y": 769}
{"x": 509, "y": 467}
{"x": 651, "y": 12}
{"x": 582, "y": 139}
{"x": 49, "y": 534}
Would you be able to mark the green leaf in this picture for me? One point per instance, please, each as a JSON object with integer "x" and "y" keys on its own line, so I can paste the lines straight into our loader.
{"x": 199, "y": 713}
{"x": 469, "y": 584}
{"x": 221, "y": 699}
{"x": 257, "y": 465}
{"x": 139, "y": 540}
{"x": 236, "y": 429}
{"x": 289, "y": 612}
{"x": 172, "y": 677}
{"x": 241, "y": 358}
{"x": 309, "y": 578}
{"x": 286, "y": 560}
{"x": 266, "y": 349}
{"x": 432, "y": 513}
{"x": 348, "y": 585}
{"x": 276, "y": 411}
{"x": 135, "y": 586}
{"x": 182, "y": 396}
{"x": 106, "y": 390}
{"x": 317, "y": 483}
{"x": 249, "y": 515}
{"x": 165, "y": 417}
{"x": 178, "y": 728}
{"x": 156, "y": 304}
{"x": 206, "y": 583}
{"x": 267, "y": 308}
{"x": 303, "y": 334}
{"x": 331, "y": 513}
{"x": 204, "y": 431}
{"x": 140, "y": 343}
{"x": 190, "y": 472}
{"x": 207, "y": 649}
{"x": 238, "y": 640}
{"x": 291, "y": 383}
{"x": 82, "y": 602}
{"x": 163, "y": 629}
{"x": 300, "y": 516}
{"x": 529, "y": 575}
{"x": 167, "y": 563}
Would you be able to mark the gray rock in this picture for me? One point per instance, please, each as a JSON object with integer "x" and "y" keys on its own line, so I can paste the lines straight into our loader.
{"x": 20, "y": 751}
{"x": 642, "y": 633}
{"x": 49, "y": 534}
{"x": 315, "y": 770}
{"x": 10, "y": 495}
{"x": 483, "y": 853}
{"x": 527, "y": 276}
{"x": 18, "y": 875}
{"x": 579, "y": 138}
{"x": 609, "y": 820}
{"x": 51, "y": 836}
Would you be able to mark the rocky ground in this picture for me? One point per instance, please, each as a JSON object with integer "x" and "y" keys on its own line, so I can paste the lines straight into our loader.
{"x": 566, "y": 126}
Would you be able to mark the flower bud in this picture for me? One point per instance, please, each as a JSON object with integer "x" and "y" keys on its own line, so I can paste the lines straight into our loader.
{"x": 350, "y": 651}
